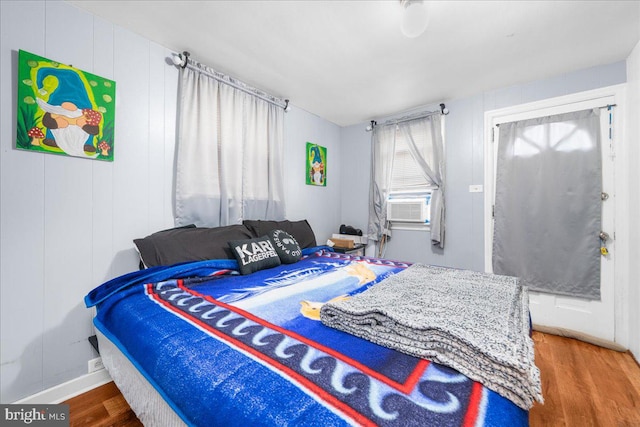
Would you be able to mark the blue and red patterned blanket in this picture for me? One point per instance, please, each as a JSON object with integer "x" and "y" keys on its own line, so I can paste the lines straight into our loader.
{"x": 225, "y": 349}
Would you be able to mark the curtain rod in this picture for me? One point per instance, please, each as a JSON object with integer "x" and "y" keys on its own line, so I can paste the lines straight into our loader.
{"x": 184, "y": 61}
{"x": 443, "y": 110}
{"x": 608, "y": 107}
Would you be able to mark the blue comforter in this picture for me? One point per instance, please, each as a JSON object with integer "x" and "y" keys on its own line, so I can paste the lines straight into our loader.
{"x": 226, "y": 349}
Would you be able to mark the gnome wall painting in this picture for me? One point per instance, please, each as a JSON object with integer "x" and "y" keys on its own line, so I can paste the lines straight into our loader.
{"x": 63, "y": 110}
{"x": 316, "y": 165}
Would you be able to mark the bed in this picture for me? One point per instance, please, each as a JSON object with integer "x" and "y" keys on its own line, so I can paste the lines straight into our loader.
{"x": 197, "y": 343}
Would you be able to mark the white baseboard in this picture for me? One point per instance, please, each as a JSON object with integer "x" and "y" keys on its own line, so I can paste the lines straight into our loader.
{"x": 72, "y": 388}
{"x": 562, "y": 332}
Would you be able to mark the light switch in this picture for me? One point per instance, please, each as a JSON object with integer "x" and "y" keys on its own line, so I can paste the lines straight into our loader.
{"x": 477, "y": 188}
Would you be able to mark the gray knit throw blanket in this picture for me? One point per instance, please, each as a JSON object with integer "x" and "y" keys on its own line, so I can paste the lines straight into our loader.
{"x": 476, "y": 323}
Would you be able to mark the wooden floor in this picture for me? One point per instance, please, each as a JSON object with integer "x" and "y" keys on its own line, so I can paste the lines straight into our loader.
{"x": 583, "y": 385}
{"x": 101, "y": 407}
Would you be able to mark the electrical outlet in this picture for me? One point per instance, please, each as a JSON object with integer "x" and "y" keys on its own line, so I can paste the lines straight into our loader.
{"x": 95, "y": 364}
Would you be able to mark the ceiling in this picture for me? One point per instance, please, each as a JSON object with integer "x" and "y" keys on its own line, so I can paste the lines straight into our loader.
{"x": 348, "y": 61}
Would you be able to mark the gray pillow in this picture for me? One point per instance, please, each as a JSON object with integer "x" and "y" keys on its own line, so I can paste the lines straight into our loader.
{"x": 286, "y": 246}
{"x": 254, "y": 254}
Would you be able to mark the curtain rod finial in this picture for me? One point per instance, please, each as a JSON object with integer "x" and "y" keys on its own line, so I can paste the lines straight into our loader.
{"x": 181, "y": 59}
{"x": 185, "y": 58}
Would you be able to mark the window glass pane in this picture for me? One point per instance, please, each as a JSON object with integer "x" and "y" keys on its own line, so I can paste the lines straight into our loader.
{"x": 406, "y": 173}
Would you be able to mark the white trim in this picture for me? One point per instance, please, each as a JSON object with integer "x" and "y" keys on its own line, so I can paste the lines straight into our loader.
{"x": 556, "y": 106}
{"x": 622, "y": 224}
{"x": 592, "y": 102}
{"x": 410, "y": 226}
{"x": 66, "y": 391}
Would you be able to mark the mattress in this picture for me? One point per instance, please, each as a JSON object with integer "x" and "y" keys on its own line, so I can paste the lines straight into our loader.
{"x": 145, "y": 401}
{"x": 200, "y": 345}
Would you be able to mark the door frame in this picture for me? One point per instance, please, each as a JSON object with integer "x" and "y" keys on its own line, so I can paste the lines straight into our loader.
{"x": 621, "y": 218}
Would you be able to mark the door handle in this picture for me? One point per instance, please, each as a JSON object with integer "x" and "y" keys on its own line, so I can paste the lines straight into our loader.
{"x": 604, "y": 236}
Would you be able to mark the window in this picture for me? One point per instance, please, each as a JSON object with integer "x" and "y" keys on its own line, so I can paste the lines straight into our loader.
{"x": 407, "y": 179}
{"x": 409, "y": 200}
{"x": 406, "y": 174}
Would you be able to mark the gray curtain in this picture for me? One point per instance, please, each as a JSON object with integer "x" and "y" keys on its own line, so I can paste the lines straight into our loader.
{"x": 230, "y": 153}
{"x": 548, "y": 206}
{"x": 431, "y": 163}
{"x": 383, "y": 139}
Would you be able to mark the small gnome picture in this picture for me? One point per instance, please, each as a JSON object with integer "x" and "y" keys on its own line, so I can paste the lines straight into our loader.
{"x": 317, "y": 167}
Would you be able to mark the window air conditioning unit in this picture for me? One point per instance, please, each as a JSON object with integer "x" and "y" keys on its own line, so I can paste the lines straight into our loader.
{"x": 408, "y": 210}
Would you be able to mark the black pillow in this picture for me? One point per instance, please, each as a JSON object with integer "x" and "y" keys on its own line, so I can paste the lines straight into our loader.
{"x": 300, "y": 230}
{"x": 286, "y": 246}
{"x": 189, "y": 244}
{"x": 141, "y": 264}
{"x": 254, "y": 254}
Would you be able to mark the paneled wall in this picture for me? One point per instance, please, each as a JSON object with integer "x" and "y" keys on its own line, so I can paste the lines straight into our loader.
{"x": 67, "y": 224}
{"x": 464, "y": 145}
{"x": 319, "y": 205}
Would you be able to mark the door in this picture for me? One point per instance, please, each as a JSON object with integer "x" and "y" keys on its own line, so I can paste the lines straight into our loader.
{"x": 580, "y": 316}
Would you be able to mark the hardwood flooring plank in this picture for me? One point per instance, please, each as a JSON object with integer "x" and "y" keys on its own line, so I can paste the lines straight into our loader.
{"x": 550, "y": 413}
{"x": 102, "y": 406}
{"x": 116, "y": 406}
{"x": 577, "y": 407}
{"x": 590, "y": 367}
{"x": 94, "y": 397}
{"x": 614, "y": 388}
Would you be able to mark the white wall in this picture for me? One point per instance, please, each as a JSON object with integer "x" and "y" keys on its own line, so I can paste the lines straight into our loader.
{"x": 319, "y": 205}
{"x": 355, "y": 149}
{"x": 633, "y": 137}
{"x": 67, "y": 224}
{"x": 464, "y": 145}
